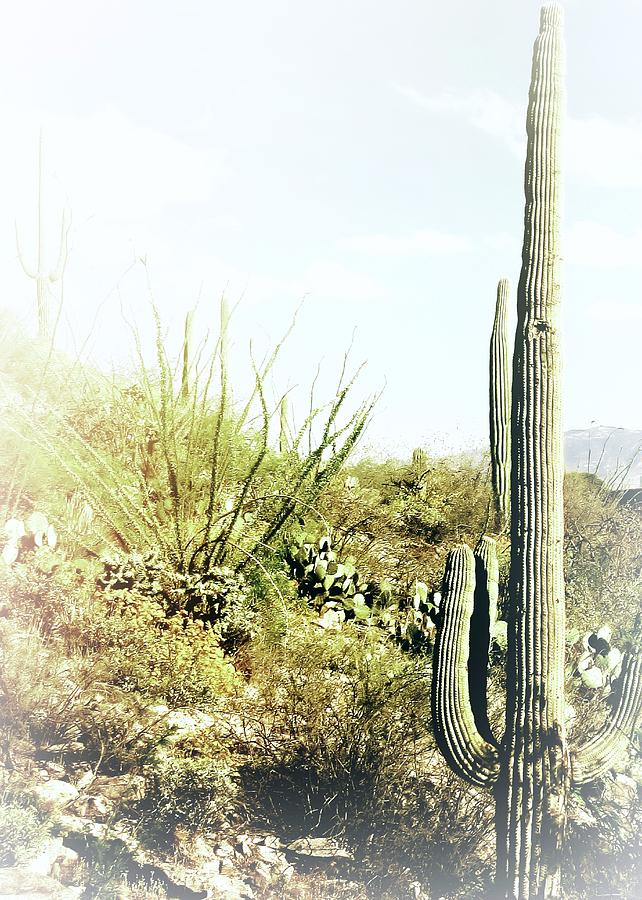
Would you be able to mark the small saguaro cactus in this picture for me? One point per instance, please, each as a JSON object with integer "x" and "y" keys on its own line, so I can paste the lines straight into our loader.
{"x": 418, "y": 480}
{"x": 42, "y": 278}
{"x": 419, "y": 461}
{"x": 531, "y": 767}
{"x": 499, "y": 407}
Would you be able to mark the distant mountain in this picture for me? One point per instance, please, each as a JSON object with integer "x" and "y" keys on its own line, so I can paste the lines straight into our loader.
{"x": 615, "y": 454}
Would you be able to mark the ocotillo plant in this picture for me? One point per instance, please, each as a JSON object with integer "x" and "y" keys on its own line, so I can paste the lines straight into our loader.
{"x": 284, "y": 429}
{"x": 531, "y": 768}
{"x": 187, "y": 338}
{"x": 42, "y": 278}
{"x": 499, "y": 407}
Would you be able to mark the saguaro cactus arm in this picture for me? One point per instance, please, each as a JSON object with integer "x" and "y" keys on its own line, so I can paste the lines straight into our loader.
{"x": 597, "y": 755}
{"x": 482, "y": 624}
{"x": 469, "y": 753}
{"x": 499, "y": 407}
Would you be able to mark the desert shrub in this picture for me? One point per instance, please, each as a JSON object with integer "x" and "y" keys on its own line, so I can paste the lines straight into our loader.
{"x": 603, "y": 850}
{"x": 399, "y": 530}
{"x": 173, "y": 659}
{"x": 326, "y": 719}
{"x": 48, "y": 599}
{"x": 168, "y": 466}
{"x": 123, "y": 638}
{"x": 603, "y": 557}
{"x": 23, "y": 831}
{"x": 217, "y": 598}
{"x": 53, "y": 704}
{"x": 334, "y": 731}
{"x": 193, "y": 793}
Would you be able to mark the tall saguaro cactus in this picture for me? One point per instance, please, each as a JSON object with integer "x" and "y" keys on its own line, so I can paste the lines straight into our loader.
{"x": 499, "y": 407}
{"x": 531, "y": 768}
{"x": 42, "y": 278}
{"x": 535, "y": 781}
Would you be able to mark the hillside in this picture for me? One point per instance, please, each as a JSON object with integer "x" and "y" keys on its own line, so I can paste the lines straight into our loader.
{"x": 612, "y": 453}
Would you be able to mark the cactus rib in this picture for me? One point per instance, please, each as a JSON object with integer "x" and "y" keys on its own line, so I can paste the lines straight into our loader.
{"x": 456, "y": 731}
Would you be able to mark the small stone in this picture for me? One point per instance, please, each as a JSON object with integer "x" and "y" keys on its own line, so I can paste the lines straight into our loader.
{"x": 94, "y": 806}
{"x": 210, "y": 868}
{"x": 321, "y": 847}
{"x": 224, "y": 849}
{"x": 263, "y": 873}
{"x": 267, "y": 854}
{"x": 271, "y": 840}
{"x": 120, "y": 787}
{"x": 243, "y": 845}
{"x": 66, "y": 866}
{"x": 285, "y": 871}
{"x": 85, "y": 779}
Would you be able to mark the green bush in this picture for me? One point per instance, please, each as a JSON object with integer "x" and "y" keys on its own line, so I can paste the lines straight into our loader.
{"x": 603, "y": 557}
{"x": 186, "y": 793}
{"x": 217, "y": 598}
{"x": 329, "y": 720}
{"x": 69, "y": 706}
{"x": 23, "y": 832}
{"x": 130, "y": 640}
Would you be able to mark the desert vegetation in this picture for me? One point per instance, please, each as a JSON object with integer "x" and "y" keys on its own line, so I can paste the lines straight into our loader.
{"x": 237, "y": 659}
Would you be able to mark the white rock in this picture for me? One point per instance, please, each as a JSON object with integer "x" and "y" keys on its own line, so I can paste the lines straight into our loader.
{"x": 54, "y": 795}
{"x": 323, "y": 847}
{"x": 224, "y": 849}
{"x": 624, "y": 790}
{"x": 613, "y": 658}
{"x": 18, "y": 883}
{"x": 267, "y": 854}
{"x": 593, "y": 677}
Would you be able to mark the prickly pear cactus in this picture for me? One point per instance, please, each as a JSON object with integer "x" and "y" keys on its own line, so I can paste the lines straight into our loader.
{"x": 21, "y": 536}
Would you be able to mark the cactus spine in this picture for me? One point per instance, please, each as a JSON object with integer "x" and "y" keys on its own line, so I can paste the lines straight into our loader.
{"x": 531, "y": 768}
{"x": 499, "y": 407}
{"x": 42, "y": 278}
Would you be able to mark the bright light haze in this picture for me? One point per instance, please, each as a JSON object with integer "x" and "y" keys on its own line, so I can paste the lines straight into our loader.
{"x": 369, "y": 155}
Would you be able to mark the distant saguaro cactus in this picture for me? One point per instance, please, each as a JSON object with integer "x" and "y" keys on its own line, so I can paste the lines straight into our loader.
{"x": 419, "y": 461}
{"x": 42, "y": 278}
{"x": 531, "y": 768}
{"x": 499, "y": 407}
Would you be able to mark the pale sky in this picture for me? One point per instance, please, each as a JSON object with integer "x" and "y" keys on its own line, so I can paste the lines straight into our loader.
{"x": 366, "y": 154}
